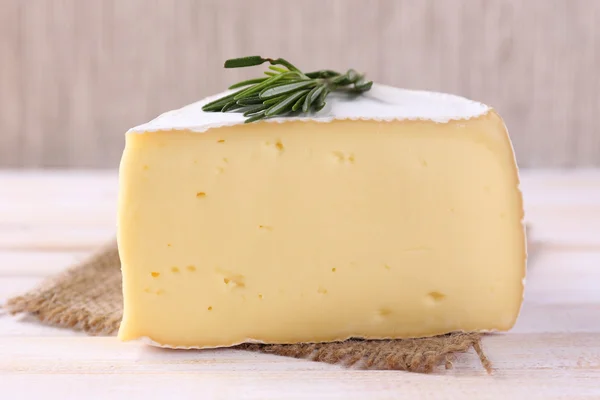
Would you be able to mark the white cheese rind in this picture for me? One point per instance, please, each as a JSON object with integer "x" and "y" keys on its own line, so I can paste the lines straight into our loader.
{"x": 381, "y": 103}
{"x": 148, "y": 341}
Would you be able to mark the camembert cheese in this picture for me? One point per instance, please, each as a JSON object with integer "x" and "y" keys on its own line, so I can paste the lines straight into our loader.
{"x": 392, "y": 215}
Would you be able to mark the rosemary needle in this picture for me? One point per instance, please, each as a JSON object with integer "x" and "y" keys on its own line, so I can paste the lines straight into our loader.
{"x": 284, "y": 90}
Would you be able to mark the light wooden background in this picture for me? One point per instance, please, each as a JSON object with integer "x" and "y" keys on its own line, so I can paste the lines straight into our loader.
{"x": 74, "y": 75}
{"x": 48, "y": 222}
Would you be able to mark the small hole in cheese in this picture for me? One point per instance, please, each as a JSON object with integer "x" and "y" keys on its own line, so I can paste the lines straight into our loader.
{"x": 174, "y": 270}
{"x": 226, "y": 281}
{"x": 339, "y": 155}
{"x": 200, "y": 194}
{"x": 155, "y": 274}
{"x": 436, "y": 296}
{"x": 279, "y": 145}
{"x": 168, "y": 244}
{"x": 209, "y": 308}
{"x": 191, "y": 268}
{"x": 384, "y": 312}
{"x": 260, "y": 296}
{"x": 160, "y": 292}
{"x": 221, "y": 141}
{"x": 333, "y": 269}
{"x": 387, "y": 267}
{"x": 146, "y": 168}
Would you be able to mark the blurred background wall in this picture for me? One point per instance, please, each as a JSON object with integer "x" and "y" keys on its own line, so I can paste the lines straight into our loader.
{"x": 76, "y": 74}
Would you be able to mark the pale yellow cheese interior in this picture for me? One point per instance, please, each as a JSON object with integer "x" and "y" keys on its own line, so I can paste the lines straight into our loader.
{"x": 309, "y": 232}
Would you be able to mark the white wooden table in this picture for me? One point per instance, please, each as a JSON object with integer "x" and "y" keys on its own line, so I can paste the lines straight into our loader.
{"x": 48, "y": 220}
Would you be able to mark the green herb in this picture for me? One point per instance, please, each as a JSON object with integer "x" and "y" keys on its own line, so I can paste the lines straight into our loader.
{"x": 285, "y": 90}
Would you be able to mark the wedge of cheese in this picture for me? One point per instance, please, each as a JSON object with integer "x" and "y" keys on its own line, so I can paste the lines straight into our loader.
{"x": 396, "y": 214}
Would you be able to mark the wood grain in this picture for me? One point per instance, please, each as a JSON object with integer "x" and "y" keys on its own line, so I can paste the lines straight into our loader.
{"x": 553, "y": 352}
{"x": 76, "y": 75}
{"x": 96, "y": 367}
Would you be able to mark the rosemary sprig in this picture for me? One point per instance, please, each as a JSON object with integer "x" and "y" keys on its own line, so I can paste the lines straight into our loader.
{"x": 285, "y": 90}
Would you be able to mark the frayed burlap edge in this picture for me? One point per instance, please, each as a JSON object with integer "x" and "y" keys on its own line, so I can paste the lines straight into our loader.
{"x": 414, "y": 355}
{"x": 88, "y": 297}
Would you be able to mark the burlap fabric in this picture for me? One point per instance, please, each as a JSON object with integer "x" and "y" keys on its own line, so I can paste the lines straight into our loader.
{"x": 88, "y": 297}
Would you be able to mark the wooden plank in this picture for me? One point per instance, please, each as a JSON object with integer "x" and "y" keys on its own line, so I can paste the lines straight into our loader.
{"x": 561, "y": 292}
{"x": 553, "y": 351}
{"x": 556, "y": 228}
{"x": 534, "y": 318}
{"x": 577, "y": 271}
{"x": 12, "y": 109}
{"x": 564, "y": 277}
{"x": 292, "y": 385}
{"x": 558, "y": 318}
{"x": 74, "y": 213}
{"x": 566, "y": 184}
{"x": 16, "y": 285}
{"x": 535, "y": 63}
{"x": 41, "y": 185}
{"x": 563, "y": 206}
{"x": 37, "y": 263}
{"x": 27, "y": 325}
{"x": 32, "y": 238}
{"x": 535, "y": 366}
{"x": 541, "y": 188}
